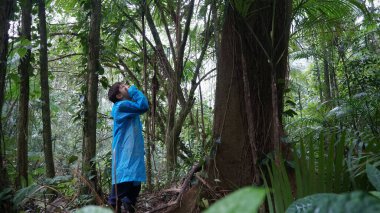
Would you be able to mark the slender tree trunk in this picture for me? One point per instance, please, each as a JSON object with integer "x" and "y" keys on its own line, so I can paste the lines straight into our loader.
{"x": 319, "y": 80}
{"x": 6, "y": 10}
{"x": 300, "y": 100}
{"x": 326, "y": 75}
{"x": 333, "y": 86}
{"x": 171, "y": 135}
{"x": 214, "y": 9}
{"x": 171, "y": 146}
{"x": 44, "y": 75}
{"x": 23, "y": 112}
{"x": 171, "y": 142}
{"x": 148, "y": 116}
{"x": 174, "y": 75}
{"x": 249, "y": 91}
{"x": 90, "y": 120}
{"x": 203, "y": 128}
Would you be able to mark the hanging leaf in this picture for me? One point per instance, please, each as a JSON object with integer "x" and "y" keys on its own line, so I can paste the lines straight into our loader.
{"x": 104, "y": 82}
{"x": 25, "y": 42}
{"x": 22, "y": 52}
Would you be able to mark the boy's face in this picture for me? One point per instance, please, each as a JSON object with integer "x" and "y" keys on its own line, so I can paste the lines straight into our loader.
{"x": 123, "y": 92}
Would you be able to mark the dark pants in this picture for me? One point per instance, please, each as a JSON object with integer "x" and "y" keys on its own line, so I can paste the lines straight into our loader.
{"x": 127, "y": 193}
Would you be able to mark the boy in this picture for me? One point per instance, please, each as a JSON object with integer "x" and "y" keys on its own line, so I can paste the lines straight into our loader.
{"x": 128, "y": 166}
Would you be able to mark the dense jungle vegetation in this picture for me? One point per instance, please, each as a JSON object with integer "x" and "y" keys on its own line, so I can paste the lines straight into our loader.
{"x": 255, "y": 105}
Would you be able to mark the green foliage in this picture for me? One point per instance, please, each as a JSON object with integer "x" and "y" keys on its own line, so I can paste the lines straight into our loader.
{"x": 246, "y": 199}
{"x": 373, "y": 176}
{"x": 24, "y": 194}
{"x": 5, "y": 194}
{"x": 21, "y": 46}
{"x": 319, "y": 166}
{"x": 347, "y": 202}
{"x": 280, "y": 187}
{"x": 242, "y": 6}
{"x": 335, "y": 142}
{"x": 94, "y": 209}
{"x": 58, "y": 180}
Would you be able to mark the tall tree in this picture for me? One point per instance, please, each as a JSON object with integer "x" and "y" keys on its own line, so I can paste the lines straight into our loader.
{"x": 5, "y": 15}
{"x": 44, "y": 76}
{"x": 23, "y": 111}
{"x": 148, "y": 115}
{"x": 91, "y": 104}
{"x": 175, "y": 73}
{"x": 250, "y": 88}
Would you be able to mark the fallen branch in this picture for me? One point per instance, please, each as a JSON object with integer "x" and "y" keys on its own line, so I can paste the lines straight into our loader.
{"x": 194, "y": 169}
{"x": 98, "y": 199}
{"x": 208, "y": 186}
{"x": 172, "y": 190}
{"x": 204, "y": 182}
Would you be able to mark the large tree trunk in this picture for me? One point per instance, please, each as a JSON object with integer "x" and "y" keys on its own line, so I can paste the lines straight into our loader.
{"x": 6, "y": 9}
{"x": 44, "y": 76}
{"x": 23, "y": 111}
{"x": 91, "y": 105}
{"x": 249, "y": 90}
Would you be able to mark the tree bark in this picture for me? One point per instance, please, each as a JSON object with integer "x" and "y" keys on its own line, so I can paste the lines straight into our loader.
{"x": 91, "y": 105}
{"x": 249, "y": 91}
{"x": 23, "y": 112}
{"x": 6, "y": 10}
{"x": 45, "y": 100}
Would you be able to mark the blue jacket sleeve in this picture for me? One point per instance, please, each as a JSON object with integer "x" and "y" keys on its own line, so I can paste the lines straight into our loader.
{"x": 138, "y": 105}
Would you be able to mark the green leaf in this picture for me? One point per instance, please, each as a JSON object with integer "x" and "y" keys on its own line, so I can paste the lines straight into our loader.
{"x": 94, "y": 209}
{"x": 59, "y": 179}
{"x": 104, "y": 82}
{"x": 291, "y": 103}
{"x": 6, "y": 194}
{"x": 247, "y": 199}
{"x": 308, "y": 203}
{"x": 347, "y": 202}
{"x": 72, "y": 159}
{"x": 289, "y": 113}
{"x": 22, "y": 52}
{"x": 375, "y": 194}
{"x": 25, "y": 42}
{"x": 373, "y": 176}
{"x": 24, "y": 193}
{"x": 100, "y": 70}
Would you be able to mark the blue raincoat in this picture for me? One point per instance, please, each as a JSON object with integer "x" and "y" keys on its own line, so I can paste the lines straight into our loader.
{"x": 128, "y": 142}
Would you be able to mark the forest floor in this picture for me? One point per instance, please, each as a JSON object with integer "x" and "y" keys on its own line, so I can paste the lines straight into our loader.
{"x": 150, "y": 201}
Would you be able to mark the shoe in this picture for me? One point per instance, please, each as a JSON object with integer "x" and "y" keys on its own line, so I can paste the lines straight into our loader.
{"x": 129, "y": 208}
